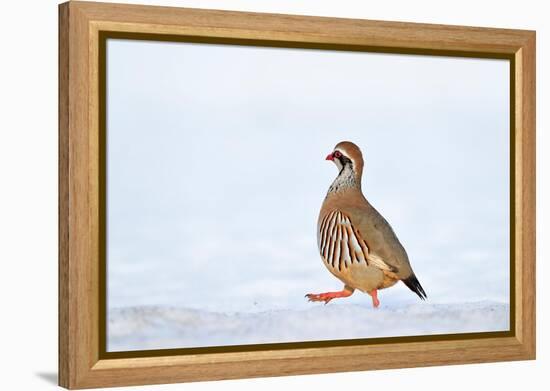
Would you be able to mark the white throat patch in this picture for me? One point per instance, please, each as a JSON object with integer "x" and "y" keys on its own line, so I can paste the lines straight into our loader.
{"x": 344, "y": 180}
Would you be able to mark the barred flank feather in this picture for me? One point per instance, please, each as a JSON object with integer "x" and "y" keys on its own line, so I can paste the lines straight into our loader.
{"x": 339, "y": 244}
{"x": 414, "y": 285}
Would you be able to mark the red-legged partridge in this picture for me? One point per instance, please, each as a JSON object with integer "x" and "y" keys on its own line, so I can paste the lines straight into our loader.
{"x": 356, "y": 243}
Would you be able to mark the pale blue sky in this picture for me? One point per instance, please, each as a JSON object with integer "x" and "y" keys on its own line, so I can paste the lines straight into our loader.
{"x": 216, "y": 171}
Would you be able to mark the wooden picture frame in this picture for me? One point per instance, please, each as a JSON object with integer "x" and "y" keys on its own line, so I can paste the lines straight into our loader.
{"x": 83, "y": 28}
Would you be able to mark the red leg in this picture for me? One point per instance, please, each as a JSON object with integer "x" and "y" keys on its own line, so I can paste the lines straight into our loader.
{"x": 328, "y": 296}
{"x": 374, "y": 295}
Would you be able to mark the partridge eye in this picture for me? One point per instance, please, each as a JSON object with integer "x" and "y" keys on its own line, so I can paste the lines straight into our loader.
{"x": 337, "y": 154}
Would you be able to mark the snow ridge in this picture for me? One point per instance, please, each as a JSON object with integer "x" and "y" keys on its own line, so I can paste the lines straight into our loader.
{"x": 158, "y": 327}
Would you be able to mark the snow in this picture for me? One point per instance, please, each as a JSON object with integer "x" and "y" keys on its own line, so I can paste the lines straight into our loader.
{"x": 161, "y": 327}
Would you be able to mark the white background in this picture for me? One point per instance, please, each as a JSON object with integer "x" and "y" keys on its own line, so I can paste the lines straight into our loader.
{"x": 28, "y": 211}
{"x": 438, "y": 171}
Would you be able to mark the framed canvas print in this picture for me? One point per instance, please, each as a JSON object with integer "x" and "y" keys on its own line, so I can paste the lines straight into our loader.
{"x": 248, "y": 194}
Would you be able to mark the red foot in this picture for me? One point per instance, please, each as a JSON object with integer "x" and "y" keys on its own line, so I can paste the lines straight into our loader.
{"x": 374, "y": 295}
{"x": 328, "y": 296}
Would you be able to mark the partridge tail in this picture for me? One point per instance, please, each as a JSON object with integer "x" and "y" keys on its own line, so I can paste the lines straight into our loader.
{"x": 414, "y": 285}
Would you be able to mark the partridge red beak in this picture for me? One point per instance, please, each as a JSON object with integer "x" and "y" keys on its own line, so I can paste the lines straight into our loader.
{"x": 330, "y": 156}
